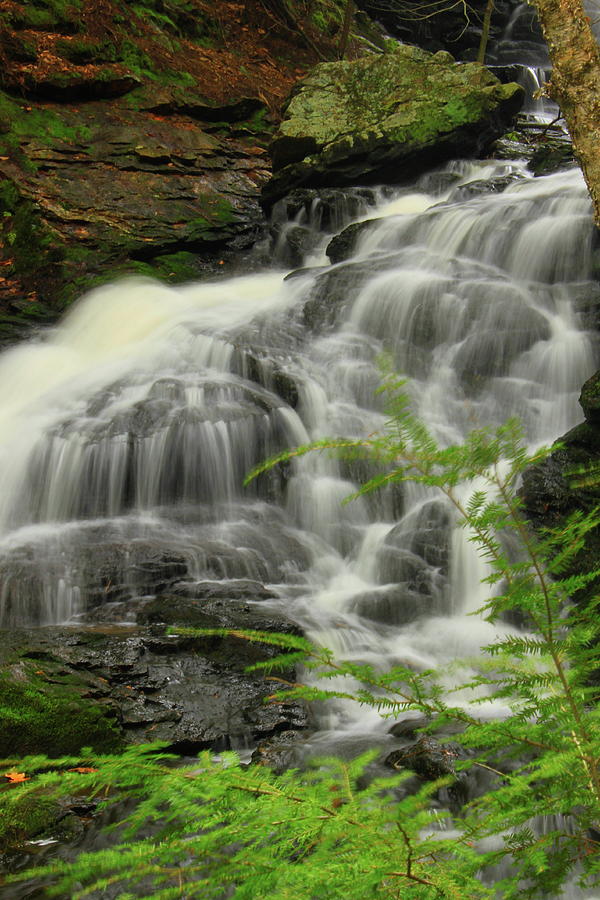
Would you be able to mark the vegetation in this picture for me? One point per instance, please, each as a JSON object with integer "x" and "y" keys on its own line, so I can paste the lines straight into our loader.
{"x": 217, "y": 828}
{"x": 47, "y": 710}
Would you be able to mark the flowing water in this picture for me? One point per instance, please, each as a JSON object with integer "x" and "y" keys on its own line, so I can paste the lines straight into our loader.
{"x": 126, "y": 433}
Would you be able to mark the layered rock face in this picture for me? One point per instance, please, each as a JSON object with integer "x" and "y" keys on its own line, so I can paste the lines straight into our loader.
{"x": 132, "y": 140}
{"x": 386, "y": 118}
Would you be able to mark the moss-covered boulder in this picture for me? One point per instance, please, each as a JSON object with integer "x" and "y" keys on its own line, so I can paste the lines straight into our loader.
{"x": 386, "y": 117}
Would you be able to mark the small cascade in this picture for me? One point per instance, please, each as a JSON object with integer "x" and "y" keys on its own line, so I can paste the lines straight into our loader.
{"x": 127, "y": 432}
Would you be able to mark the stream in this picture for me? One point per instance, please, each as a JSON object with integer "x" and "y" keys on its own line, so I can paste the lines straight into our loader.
{"x": 130, "y": 427}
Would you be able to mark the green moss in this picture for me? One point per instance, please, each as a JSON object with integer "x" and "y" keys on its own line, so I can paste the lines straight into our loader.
{"x": 26, "y": 817}
{"x": 82, "y": 52}
{"x": 173, "y": 267}
{"x": 62, "y": 15}
{"x": 256, "y": 125}
{"x": 327, "y": 16}
{"x": 39, "y": 716}
{"x": 30, "y": 243}
{"x": 136, "y": 60}
{"x": 41, "y": 123}
{"x": 182, "y": 18}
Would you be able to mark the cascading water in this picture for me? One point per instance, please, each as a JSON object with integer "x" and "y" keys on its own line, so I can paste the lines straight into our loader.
{"x": 127, "y": 432}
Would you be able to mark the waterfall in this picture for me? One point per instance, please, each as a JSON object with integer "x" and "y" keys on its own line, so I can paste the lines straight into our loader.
{"x": 127, "y": 431}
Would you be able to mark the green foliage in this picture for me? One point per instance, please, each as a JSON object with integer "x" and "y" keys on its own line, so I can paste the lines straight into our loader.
{"x": 35, "y": 714}
{"x": 219, "y": 829}
{"x": 217, "y": 825}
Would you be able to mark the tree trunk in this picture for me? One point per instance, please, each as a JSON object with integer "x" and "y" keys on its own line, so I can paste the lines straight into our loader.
{"x": 346, "y": 26}
{"x": 575, "y": 82}
{"x": 485, "y": 31}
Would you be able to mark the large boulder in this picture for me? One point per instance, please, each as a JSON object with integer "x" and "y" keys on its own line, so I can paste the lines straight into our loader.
{"x": 386, "y": 117}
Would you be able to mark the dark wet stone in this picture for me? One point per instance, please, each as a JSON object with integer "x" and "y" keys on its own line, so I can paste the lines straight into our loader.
{"x": 430, "y": 760}
{"x": 479, "y": 188}
{"x": 182, "y": 689}
{"x": 335, "y": 290}
{"x": 298, "y": 242}
{"x": 325, "y": 209}
{"x": 425, "y": 536}
{"x": 396, "y": 605}
{"x": 590, "y": 399}
{"x": 408, "y": 728}
{"x": 343, "y": 245}
{"x": 551, "y": 157}
{"x": 239, "y": 589}
{"x": 280, "y": 753}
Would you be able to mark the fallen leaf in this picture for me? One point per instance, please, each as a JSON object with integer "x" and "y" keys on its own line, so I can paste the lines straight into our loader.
{"x": 83, "y": 770}
{"x": 16, "y": 777}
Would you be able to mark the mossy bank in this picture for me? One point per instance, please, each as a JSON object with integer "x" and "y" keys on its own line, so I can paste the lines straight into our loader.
{"x": 133, "y": 136}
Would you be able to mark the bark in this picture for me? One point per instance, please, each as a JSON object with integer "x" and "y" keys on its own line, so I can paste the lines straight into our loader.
{"x": 575, "y": 82}
{"x": 485, "y": 31}
{"x": 346, "y": 26}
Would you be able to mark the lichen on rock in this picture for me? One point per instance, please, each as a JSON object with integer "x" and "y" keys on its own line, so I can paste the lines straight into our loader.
{"x": 386, "y": 117}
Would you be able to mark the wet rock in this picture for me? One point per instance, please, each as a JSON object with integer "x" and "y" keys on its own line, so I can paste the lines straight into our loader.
{"x": 343, "y": 245}
{"x": 269, "y": 373}
{"x": 397, "y": 605}
{"x": 490, "y": 351}
{"x": 323, "y": 209}
{"x": 546, "y": 147}
{"x": 551, "y": 157}
{"x": 386, "y": 118}
{"x": 590, "y": 399}
{"x": 295, "y": 244}
{"x": 425, "y": 534}
{"x": 240, "y": 589}
{"x": 586, "y": 301}
{"x": 149, "y": 685}
{"x": 437, "y": 183}
{"x": 216, "y": 612}
{"x": 334, "y": 291}
{"x": 430, "y": 760}
{"x": 564, "y": 483}
{"x": 491, "y": 186}
{"x": 279, "y": 754}
{"x": 408, "y": 728}
{"x": 427, "y": 757}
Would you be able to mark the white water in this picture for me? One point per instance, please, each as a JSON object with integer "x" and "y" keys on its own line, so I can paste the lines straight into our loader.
{"x": 126, "y": 434}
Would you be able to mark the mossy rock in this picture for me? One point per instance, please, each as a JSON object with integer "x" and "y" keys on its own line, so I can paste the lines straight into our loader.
{"x": 33, "y": 816}
{"x": 551, "y": 156}
{"x": 44, "y": 712}
{"x": 386, "y": 117}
